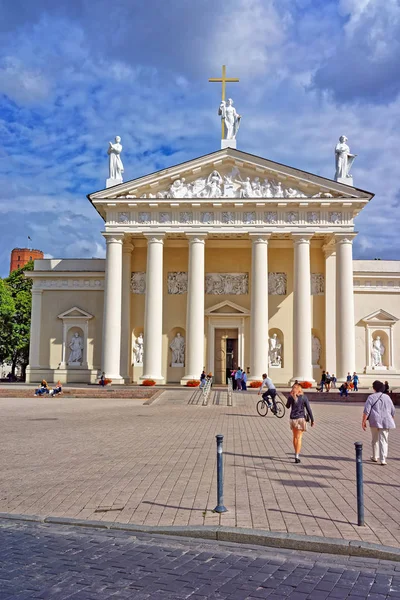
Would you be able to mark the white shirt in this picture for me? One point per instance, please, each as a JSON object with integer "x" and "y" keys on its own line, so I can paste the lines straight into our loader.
{"x": 268, "y": 383}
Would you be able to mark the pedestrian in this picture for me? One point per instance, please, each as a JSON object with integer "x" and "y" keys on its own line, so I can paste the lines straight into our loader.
{"x": 387, "y": 388}
{"x": 244, "y": 381}
{"x": 322, "y": 382}
{"x": 379, "y": 411}
{"x": 333, "y": 380}
{"x": 203, "y": 378}
{"x": 327, "y": 382}
{"x": 300, "y": 413}
{"x": 233, "y": 373}
{"x": 348, "y": 378}
{"x": 102, "y": 381}
{"x": 344, "y": 389}
{"x": 355, "y": 381}
{"x": 271, "y": 392}
{"x": 238, "y": 378}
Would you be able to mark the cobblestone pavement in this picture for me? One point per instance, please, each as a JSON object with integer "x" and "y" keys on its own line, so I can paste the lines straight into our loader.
{"x": 118, "y": 460}
{"x": 58, "y": 562}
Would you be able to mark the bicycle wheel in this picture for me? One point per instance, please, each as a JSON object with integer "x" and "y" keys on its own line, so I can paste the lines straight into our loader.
{"x": 280, "y": 409}
{"x": 262, "y": 408}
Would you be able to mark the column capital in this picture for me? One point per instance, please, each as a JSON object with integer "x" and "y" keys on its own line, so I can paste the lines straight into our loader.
{"x": 127, "y": 247}
{"x": 302, "y": 237}
{"x": 36, "y": 290}
{"x": 260, "y": 238}
{"x": 154, "y": 238}
{"x": 116, "y": 238}
{"x": 344, "y": 238}
{"x": 196, "y": 237}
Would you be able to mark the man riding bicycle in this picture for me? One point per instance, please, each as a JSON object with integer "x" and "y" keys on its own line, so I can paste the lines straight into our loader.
{"x": 271, "y": 391}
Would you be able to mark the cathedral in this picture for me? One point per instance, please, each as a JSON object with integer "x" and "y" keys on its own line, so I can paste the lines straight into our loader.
{"x": 226, "y": 260}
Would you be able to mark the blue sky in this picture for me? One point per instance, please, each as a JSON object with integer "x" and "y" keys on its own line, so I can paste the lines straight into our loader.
{"x": 73, "y": 74}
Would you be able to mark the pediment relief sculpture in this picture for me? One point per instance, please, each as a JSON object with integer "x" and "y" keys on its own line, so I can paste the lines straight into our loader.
{"x": 229, "y": 185}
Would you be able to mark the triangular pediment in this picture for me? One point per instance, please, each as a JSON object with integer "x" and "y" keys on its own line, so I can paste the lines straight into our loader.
{"x": 380, "y": 316}
{"x": 227, "y": 308}
{"x": 75, "y": 313}
{"x": 228, "y": 174}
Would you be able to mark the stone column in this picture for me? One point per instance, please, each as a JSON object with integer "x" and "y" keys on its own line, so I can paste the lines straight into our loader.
{"x": 259, "y": 306}
{"x": 345, "y": 327}
{"x": 153, "y": 315}
{"x": 330, "y": 309}
{"x": 111, "y": 351}
{"x": 126, "y": 333}
{"x": 194, "y": 354}
{"x": 302, "y": 342}
{"x": 36, "y": 324}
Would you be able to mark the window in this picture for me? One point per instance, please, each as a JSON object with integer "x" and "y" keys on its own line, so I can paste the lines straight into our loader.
{"x": 19, "y": 258}
{"x": 30, "y": 258}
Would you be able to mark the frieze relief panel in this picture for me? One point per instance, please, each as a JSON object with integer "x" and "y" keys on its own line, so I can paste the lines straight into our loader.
{"x": 277, "y": 284}
{"x": 317, "y": 284}
{"x": 68, "y": 284}
{"x": 177, "y": 282}
{"x": 138, "y": 282}
{"x": 227, "y": 283}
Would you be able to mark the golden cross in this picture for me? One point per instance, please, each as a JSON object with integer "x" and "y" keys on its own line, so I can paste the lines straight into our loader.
{"x": 224, "y": 80}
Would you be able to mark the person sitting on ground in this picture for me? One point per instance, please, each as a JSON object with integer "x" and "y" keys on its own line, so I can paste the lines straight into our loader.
{"x": 355, "y": 381}
{"x": 271, "y": 392}
{"x": 344, "y": 389}
{"x": 43, "y": 389}
{"x": 56, "y": 390}
{"x": 202, "y": 378}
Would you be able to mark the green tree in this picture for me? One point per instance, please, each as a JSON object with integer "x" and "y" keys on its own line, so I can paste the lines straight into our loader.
{"x": 20, "y": 322}
{"x": 7, "y": 310}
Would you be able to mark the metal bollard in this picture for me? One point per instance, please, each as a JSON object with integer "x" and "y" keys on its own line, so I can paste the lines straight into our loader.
{"x": 220, "y": 508}
{"x": 360, "y": 484}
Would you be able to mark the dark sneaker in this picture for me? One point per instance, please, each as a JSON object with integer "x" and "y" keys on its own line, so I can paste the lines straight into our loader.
{"x": 297, "y": 460}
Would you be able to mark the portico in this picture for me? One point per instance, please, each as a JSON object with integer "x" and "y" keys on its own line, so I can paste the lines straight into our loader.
{"x": 228, "y": 259}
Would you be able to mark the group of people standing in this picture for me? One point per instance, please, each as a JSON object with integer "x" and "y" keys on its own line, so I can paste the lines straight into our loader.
{"x": 239, "y": 379}
{"x": 378, "y": 410}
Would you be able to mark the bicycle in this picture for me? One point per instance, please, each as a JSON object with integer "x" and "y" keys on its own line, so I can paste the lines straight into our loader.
{"x": 263, "y": 408}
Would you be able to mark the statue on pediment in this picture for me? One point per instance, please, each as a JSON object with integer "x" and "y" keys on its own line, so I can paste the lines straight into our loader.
{"x": 178, "y": 189}
{"x": 246, "y": 189}
{"x": 213, "y": 187}
{"x": 343, "y": 159}
{"x": 230, "y": 117}
{"x": 116, "y": 168}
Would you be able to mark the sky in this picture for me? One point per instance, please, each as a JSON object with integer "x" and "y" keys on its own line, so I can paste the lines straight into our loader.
{"x": 76, "y": 73}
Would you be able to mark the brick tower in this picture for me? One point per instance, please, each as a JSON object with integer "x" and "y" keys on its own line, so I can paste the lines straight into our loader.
{"x": 21, "y": 256}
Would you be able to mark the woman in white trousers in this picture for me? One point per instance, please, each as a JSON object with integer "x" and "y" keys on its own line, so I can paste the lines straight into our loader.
{"x": 379, "y": 411}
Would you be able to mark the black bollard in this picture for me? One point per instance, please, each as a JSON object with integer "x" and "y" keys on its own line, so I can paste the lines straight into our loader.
{"x": 220, "y": 508}
{"x": 360, "y": 484}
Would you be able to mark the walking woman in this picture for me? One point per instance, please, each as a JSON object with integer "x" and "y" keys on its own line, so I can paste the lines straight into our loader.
{"x": 379, "y": 411}
{"x": 300, "y": 407}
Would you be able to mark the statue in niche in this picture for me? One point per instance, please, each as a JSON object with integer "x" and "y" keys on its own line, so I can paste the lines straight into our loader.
{"x": 378, "y": 350}
{"x": 213, "y": 187}
{"x": 230, "y": 117}
{"x": 76, "y": 347}
{"x": 343, "y": 159}
{"x": 178, "y": 351}
{"x": 116, "y": 168}
{"x": 138, "y": 349}
{"x": 316, "y": 351}
{"x": 275, "y": 351}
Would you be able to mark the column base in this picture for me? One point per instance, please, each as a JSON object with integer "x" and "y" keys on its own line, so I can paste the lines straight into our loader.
{"x": 187, "y": 378}
{"x": 299, "y": 379}
{"x": 116, "y": 379}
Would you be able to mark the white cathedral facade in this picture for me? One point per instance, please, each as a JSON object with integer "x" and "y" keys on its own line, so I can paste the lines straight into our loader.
{"x": 226, "y": 260}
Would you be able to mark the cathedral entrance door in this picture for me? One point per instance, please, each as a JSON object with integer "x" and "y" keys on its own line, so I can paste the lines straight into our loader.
{"x": 226, "y": 353}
